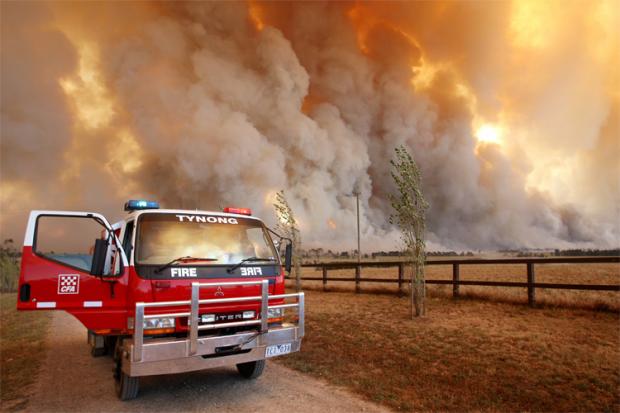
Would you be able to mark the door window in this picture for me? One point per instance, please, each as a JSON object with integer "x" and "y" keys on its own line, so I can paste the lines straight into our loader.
{"x": 70, "y": 240}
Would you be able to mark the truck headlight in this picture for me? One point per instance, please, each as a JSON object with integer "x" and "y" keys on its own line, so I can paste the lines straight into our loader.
{"x": 158, "y": 323}
{"x": 275, "y": 313}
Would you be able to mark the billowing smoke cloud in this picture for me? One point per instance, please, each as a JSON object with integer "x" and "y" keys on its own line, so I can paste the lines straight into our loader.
{"x": 203, "y": 105}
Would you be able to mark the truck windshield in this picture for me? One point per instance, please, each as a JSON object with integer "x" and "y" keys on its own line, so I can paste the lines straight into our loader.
{"x": 162, "y": 238}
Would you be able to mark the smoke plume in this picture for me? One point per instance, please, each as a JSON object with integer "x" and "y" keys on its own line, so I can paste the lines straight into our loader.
{"x": 511, "y": 110}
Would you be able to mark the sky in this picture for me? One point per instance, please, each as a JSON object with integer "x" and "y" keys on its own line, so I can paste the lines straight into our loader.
{"x": 511, "y": 110}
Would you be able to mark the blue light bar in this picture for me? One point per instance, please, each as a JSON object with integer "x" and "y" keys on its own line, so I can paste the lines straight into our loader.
{"x": 136, "y": 204}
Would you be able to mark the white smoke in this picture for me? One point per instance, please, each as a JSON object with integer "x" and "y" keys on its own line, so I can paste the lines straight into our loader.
{"x": 210, "y": 111}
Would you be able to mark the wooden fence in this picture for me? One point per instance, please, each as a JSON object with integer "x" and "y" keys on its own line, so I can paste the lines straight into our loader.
{"x": 456, "y": 282}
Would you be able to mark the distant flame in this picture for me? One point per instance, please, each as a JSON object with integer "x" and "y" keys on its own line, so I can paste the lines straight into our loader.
{"x": 256, "y": 15}
{"x": 331, "y": 223}
{"x": 362, "y": 24}
{"x": 489, "y": 133}
{"x": 424, "y": 74}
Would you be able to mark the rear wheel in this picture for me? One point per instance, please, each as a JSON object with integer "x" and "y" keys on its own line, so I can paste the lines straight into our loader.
{"x": 252, "y": 369}
{"x": 96, "y": 343}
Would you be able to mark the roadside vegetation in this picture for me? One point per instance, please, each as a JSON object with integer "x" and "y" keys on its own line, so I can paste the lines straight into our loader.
{"x": 465, "y": 355}
{"x": 9, "y": 266}
{"x": 22, "y": 338}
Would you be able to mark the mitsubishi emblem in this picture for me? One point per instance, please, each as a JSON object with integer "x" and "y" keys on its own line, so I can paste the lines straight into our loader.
{"x": 219, "y": 292}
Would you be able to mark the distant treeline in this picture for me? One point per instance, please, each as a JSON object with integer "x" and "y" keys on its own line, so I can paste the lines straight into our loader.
{"x": 428, "y": 254}
{"x": 576, "y": 252}
{"x": 587, "y": 253}
{"x": 316, "y": 253}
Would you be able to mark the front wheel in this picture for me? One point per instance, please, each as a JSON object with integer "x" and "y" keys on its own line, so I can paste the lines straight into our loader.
{"x": 127, "y": 387}
{"x": 252, "y": 369}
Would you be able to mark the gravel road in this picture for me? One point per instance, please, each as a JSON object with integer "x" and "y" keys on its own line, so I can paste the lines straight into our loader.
{"x": 71, "y": 380}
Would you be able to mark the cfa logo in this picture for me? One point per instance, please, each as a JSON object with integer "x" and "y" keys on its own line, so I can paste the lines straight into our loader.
{"x": 183, "y": 272}
{"x": 219, "y": 292}
{"x": 251, "y": 271}
{"x": 68, "y": 284}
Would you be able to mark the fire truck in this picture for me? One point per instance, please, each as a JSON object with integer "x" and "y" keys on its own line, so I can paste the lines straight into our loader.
{"x": 165, "y": 291}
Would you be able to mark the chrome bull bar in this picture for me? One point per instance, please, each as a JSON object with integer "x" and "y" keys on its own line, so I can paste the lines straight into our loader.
{"x": 193, "y": 316}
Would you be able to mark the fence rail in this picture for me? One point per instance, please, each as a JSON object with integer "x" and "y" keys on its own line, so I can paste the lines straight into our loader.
{"x": 530, "y": 284}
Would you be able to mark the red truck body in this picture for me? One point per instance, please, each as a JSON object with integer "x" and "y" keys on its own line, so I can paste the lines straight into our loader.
{"x": 162, "y": 312}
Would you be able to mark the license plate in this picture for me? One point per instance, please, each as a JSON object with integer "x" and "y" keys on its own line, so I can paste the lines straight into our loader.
{"x": 228, "y": 317}
{"x": 278, "y": 350}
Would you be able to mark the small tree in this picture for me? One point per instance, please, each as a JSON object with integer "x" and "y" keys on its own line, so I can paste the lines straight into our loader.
{"x": 409, "y": 214}
{"x": 9, "y": 266}
{"x": 287, "y": 226}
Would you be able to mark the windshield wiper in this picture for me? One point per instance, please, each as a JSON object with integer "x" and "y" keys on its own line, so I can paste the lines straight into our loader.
{"x": 187, "y": 258}
{"x": 251, "y": 259}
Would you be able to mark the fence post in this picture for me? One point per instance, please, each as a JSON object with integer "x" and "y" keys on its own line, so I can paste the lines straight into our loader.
{"x": 456, "y": 276}
{"x": 324, "y": 278}
{"x": 401, "y": 273}
{"x": 531, "y": 280}
{"x": 358, "y": 270}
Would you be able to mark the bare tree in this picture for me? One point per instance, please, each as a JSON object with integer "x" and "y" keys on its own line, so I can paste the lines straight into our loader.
{"x": 287, "y": 225}
{"x": 409, "y": 214}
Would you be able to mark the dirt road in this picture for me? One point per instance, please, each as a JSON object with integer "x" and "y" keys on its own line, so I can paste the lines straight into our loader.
{"x": 71, "y": 380}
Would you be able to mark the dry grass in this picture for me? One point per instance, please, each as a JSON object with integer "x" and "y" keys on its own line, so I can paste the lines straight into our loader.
{"x": 466, "y": 355}
{"x": 549, "y": 273}
{"x": 22, "y": 338}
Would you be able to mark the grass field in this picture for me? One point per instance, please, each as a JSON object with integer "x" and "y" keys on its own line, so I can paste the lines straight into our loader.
{"x": 466, "y": 355}
{"x": 22, "y": 338}
{"x": 550, "y": 273}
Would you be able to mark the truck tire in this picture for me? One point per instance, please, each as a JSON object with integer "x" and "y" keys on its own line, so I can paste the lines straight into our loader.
{"x": 252, "y": 369}
{"x": 127, "y": 387}
{"x": 109, "y": 345}
{"x": 97, "y": 352}
{"x": 96, "y": 343}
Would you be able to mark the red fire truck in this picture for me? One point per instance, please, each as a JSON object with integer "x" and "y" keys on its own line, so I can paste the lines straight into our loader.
{"x": 165, "y": 291}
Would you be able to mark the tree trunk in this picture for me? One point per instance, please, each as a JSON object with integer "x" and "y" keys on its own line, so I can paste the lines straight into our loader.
{"x": 413, "y": 300}
{"x": 418, "y": 291}
{"x": 297, "y": 264}
{"x": 297, "y": 270}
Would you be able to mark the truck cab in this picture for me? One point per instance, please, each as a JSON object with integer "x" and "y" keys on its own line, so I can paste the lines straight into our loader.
{"x": 165, "y": 290}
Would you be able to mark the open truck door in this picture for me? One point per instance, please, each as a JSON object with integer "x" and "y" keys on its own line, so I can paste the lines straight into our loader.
{"x": 73, "y": 261}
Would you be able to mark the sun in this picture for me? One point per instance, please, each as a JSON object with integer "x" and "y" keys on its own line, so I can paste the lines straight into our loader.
{"x": 489, "y": 133}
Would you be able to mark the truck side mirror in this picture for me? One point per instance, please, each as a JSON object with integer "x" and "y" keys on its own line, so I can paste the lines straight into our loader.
{"x": 288, "y": 256}
{"x": 99, "y": 256}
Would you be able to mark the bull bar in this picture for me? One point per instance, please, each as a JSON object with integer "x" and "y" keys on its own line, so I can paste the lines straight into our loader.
{"x": 175, "y": 355}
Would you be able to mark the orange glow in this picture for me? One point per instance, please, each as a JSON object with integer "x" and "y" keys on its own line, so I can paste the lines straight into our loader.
{"x": 364, "y": 21}
{"x": 424, "y": 74}
{"x": 489, "y": 133}
{"x": 91, "y": 101}
{"x": 331, "y": 223}
{"x": 531, "y": 23}
{"x": 256, "y": 15}
{"x": 362, "y": 24}
{"x": 125, "y": 153}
